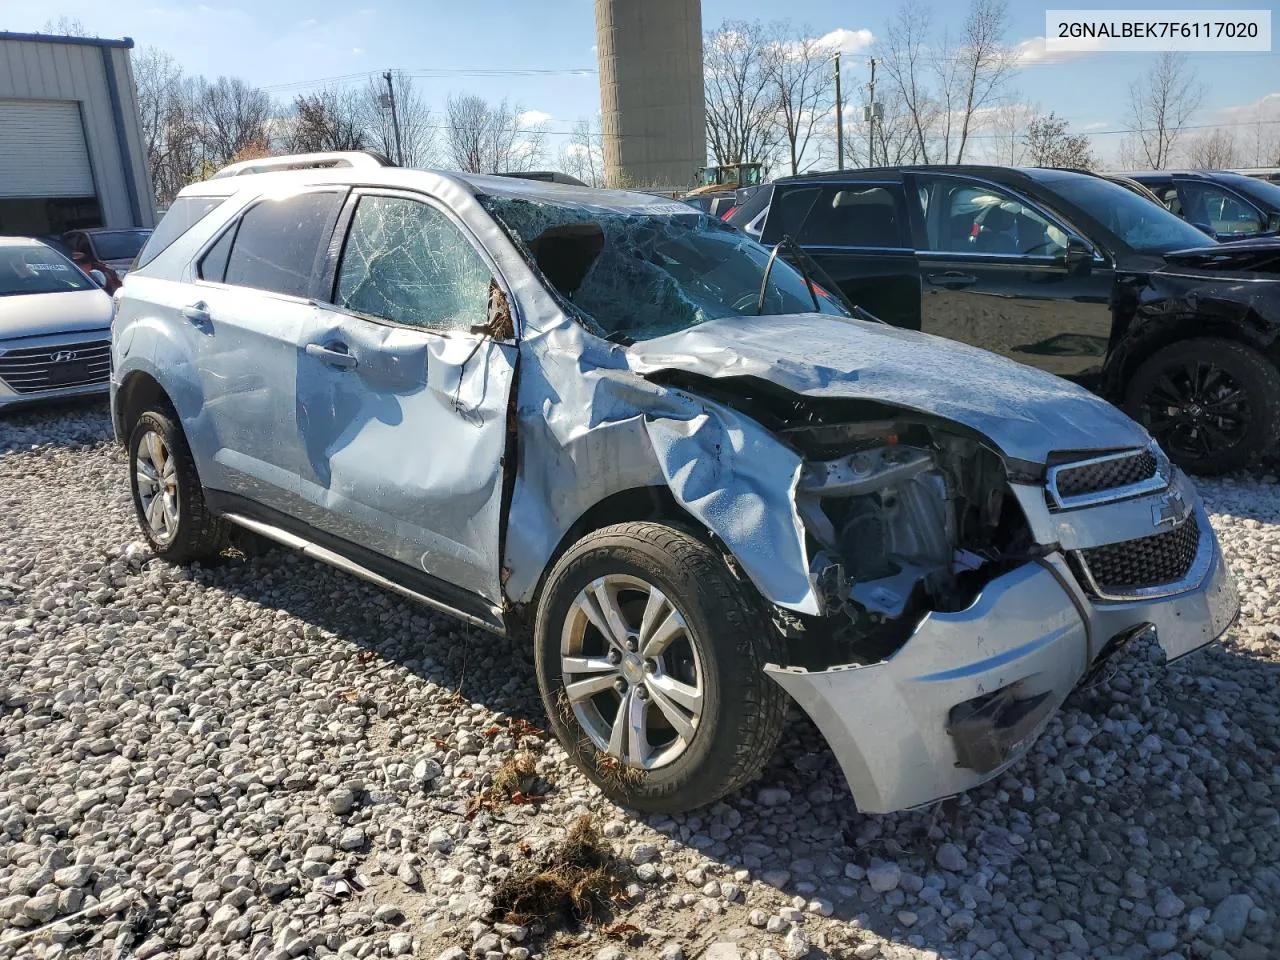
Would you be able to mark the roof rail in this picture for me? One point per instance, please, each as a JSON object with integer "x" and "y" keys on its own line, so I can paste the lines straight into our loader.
{"x": 303, "y": 161}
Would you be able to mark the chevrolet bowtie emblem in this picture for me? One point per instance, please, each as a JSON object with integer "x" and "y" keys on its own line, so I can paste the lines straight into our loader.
{"x": 1168, "y": 511}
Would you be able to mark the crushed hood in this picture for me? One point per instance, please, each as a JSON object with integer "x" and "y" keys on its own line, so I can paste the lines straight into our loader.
{"x": 1024, "y": 412}
{"x": 1260, "y": 255}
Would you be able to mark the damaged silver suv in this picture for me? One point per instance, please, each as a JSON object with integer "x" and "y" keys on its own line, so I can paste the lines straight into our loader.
{"x": 699, "y": 486}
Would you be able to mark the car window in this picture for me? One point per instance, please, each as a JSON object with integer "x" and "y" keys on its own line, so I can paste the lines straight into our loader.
{"x": 183, "y": 214}
{"x": 34, "y": 268}
{"x": 1210, "y": 205}
{"x": 407, "y": 262}
{"x": 976, "y": 218}
{"x": 1124, "y": 217}
{"x": 790, "y": 209}
{"x": 1169, "y": 197}
{"x": 851, "y": 215}
{"x": 213, "y": 265}
{"x": 119, "y": 244}
{"x": 280, "y": 243}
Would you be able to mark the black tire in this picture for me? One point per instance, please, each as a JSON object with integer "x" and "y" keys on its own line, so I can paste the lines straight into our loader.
{"x": 197, "y": 533}
{"x": 724, "y": 620}
{"x": 1213, "y": 405}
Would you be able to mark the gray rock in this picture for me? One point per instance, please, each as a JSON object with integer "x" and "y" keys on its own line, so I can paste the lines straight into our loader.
{"x": 1232, "y": 914}
{"x": 795, "y": 944}
{"x": 884, "y": 876}
{"x": 950, "y": 857}
{"x": 400, "y": 944}
{"x": 773, "y": 796}
{"x": 643, "y": 853}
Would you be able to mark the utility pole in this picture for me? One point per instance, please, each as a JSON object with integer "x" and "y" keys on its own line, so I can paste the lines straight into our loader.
{"x": 839, "y": 118}
{"x": 395, "y": 119}
{"x": 871, "y": 130}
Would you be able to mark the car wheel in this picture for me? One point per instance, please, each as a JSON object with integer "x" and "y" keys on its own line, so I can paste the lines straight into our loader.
{"x": 167, "y": 495}
{"x": 650, "y": 657}
{"x": 1213, "y": 405}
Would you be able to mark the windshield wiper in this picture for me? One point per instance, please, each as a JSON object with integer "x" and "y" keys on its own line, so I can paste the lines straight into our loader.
{"x": 831, "y": 286}
{"x": 764, "y": 281}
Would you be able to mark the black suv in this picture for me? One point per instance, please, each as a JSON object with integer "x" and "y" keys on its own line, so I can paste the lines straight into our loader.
{"x": 1227, "y": 206}
{"x": 1062, "y": 270}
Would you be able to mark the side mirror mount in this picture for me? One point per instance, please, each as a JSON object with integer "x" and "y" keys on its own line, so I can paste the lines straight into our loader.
{"x": 1204, "y": 228}
{"x": 1078, "y": 255}
{"x": 98, "y": 277}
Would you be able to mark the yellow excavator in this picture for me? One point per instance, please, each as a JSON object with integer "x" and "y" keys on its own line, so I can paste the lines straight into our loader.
{"x": 714, "y": 193}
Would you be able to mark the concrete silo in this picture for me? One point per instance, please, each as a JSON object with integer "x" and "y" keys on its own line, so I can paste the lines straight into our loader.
{"x": 651, "y": 106}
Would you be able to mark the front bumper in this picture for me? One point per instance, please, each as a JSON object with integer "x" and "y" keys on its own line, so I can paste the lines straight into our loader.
{"x": 969, "y": 692}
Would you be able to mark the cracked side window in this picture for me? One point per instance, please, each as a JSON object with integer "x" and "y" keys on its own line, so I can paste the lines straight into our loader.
{"x": 406, "y": 262}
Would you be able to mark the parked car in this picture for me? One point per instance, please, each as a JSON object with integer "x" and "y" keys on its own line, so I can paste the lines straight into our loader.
{"x": 110, "y": 250}
{"x": 1224, "y": 205}
{"x": 1133, "y": 186}
{"x": 1061, "y": 270}
{"x": 615, "y": 426}
{"x": 55, "y": 326}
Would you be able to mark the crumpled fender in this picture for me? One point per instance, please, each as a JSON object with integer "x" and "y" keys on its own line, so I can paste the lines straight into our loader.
{"x": 590, "y": 427}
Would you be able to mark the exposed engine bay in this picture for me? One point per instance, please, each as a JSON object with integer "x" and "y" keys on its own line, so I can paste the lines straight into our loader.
{"x": 903, "y": 518}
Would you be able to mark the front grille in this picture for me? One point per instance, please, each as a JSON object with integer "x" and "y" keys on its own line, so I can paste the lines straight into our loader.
{"x": 1125, "y": 568}
{"x": 32, "y": 369}
{"x": 1099, "y": 475}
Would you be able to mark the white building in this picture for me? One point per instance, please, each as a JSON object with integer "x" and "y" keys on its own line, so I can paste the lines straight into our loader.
{"x": 71, "y": 150}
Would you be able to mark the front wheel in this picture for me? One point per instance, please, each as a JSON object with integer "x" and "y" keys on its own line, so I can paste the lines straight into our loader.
{"x": 650, "y": 658}
{"x": 1213, "y": 405}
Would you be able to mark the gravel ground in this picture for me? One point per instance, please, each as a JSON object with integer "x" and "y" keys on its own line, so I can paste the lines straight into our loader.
{"x": 267, "y": 758}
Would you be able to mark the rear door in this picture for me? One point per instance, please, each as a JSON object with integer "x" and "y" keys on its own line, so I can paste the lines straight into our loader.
{"x": 402, "y": 394}
{"x": 994, "y": 273}
{"x": 252, "y": 299}
{"x": 859, "y": 234}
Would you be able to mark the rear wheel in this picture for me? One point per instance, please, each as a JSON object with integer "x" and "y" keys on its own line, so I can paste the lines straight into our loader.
{"x": 167, "y": 495}
{"x": 1213, "y": 405}
{"x": 650, "y": 658}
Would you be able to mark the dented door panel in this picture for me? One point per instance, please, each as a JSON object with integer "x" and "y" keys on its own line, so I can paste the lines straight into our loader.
{"x": 404, "y": 449}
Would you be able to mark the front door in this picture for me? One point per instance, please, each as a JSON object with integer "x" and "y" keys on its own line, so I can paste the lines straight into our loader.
{"x": 994, "y": 273}
{"x": 402, "y": 396}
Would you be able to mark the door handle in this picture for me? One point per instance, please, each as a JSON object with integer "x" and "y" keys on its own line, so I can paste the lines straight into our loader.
{"x": 334, "y": 354}
{"x": 952, "y": 279}
{"x": 197, "y": 313}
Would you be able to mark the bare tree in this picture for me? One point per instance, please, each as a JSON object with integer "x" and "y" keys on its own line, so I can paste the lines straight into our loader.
{"x": 329, "y": 119}
{"x": 489, "y": 138}
{"x": 741, "y": 97}
{"x": 1051, "y": 144}
{"x": 803, "y": 78}
{"x": 905, "y": 58}
{"x": 984, "y": 61}
{"x": 161, "y": 109}
{"x": 66, "y": 26}
{"x": 417, "y": 122}
{"x": 1213, "y": 150}
{"x": 230, "y": 115}
{"x": 1009, "y": 125}
{"x": 1160, "y": 104}
{"x": 583, "y": 155}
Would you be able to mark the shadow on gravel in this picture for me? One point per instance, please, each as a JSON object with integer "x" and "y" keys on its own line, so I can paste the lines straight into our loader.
{"x": 68, "y": 423}
{"x": 476, "y": 665}
{"x": 1146, "y": 798}
{"x": 1128, "y": 823}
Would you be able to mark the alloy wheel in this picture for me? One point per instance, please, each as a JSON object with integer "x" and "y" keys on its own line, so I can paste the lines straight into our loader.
{"x": 632, "y": 671}
{"x": 156, "y": 471}
{"x": 1196, "y": 410}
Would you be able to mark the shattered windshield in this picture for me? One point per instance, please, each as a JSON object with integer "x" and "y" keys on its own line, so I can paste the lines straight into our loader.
{"x": 638, "y": 275}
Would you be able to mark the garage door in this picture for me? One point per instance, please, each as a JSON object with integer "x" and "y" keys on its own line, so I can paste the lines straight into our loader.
{"x": 42, "y": 150}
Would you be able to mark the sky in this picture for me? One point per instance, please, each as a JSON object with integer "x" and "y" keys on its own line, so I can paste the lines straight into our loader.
{"x": 542, "y": 55}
